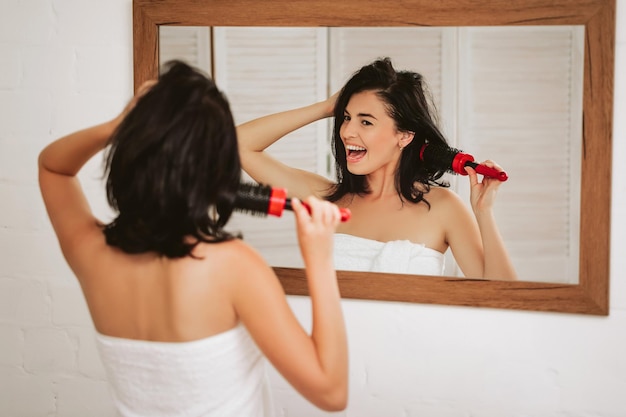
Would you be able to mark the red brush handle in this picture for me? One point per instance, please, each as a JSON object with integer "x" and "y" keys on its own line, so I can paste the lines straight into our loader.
{"x": 461, "y": 160}
{"x": 345, "y": 213}
{"x": 279, "y": 202}
{"x": 490, "y": 172}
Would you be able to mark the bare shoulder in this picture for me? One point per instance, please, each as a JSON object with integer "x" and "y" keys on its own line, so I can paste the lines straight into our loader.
{"x": 450, "y": 209}
{"x": 85, "y": 248}
{"x": 443, "y": 198}
{"x": 235, "y": 261}
{"x": 448, "y": 206}
{"x": 231, "y": 250}
{"x": 246, "y": 274}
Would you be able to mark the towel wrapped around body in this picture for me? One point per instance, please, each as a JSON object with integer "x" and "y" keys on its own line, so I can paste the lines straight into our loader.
{"x": 222, "y": 375}
{"x": 353, "y": 253}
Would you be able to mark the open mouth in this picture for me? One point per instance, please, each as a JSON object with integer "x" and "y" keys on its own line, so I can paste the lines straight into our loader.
{"x": 355, "y": 153}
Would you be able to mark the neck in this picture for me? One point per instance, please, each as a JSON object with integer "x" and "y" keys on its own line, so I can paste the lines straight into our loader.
{"x": 382, "y": 185}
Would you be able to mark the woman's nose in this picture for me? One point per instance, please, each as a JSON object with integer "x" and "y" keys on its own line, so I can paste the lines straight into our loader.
{"x": 347, "y": 129}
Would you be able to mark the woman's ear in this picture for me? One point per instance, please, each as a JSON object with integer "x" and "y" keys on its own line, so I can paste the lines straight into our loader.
{"x": 405, "y": 138}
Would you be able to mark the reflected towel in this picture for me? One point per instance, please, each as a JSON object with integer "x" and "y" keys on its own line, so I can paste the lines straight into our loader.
{"x": 353, "y": 253}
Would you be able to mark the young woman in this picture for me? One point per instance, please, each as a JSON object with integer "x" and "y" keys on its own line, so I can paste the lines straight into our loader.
{"x": 183, "y": 310}
{"x": 403, "y": 217}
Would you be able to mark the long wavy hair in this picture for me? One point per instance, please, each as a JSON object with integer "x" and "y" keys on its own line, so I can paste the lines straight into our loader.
{"x": 172, "y": 169}
{"x": 410, "y": 105}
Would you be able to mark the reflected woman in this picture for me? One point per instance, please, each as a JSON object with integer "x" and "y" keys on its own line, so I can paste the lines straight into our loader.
{"x": 404, "y": 217}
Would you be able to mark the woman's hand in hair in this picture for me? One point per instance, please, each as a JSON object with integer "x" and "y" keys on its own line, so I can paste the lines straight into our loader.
{"x": 330, "y": 104}
{"x": 141, "y": 91}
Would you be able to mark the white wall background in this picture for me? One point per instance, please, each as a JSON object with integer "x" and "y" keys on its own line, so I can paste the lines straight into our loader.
{"x": 66, "y": 64}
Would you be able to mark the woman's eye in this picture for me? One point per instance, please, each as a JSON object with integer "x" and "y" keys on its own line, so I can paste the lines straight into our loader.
{"x": 346, "y": 118}
{"x": 366, "y": 123}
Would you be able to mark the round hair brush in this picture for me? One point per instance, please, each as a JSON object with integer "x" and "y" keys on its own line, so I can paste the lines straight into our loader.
{"x": 453, "y": 160}
{"x": 266, "y": 200}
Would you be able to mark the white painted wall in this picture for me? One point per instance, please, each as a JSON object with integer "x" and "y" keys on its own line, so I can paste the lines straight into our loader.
{"x": 65, "y": 64}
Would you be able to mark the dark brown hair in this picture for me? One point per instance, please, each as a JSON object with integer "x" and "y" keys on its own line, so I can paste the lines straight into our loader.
{"x": 408, "y": 102}
{"x": 172, "y": 168}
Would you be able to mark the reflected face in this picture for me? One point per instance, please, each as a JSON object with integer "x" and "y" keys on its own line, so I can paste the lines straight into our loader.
{"x": 370, "y": 135}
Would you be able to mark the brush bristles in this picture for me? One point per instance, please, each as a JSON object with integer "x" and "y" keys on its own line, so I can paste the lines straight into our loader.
{"x": 439, "y": 157}
{"x": 253, "y": 198}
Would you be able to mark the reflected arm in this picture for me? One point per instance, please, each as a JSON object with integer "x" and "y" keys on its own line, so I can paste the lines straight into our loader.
{"x": 497, "y": 264}
{"x": 257, "y": 135}
{"x": 485, "y": 255}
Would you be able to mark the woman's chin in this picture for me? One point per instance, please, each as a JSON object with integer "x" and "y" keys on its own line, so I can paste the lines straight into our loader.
{"x": 356, "y": 169}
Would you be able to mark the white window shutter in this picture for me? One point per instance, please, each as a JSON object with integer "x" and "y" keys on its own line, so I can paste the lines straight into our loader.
{"x": 265, "y": 70}
{"x": 190, "y": 44}
{"x": 520, "y": 104}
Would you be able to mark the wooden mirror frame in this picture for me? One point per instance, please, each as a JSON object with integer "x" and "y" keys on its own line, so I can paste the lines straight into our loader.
{"x": 591, "y": 294}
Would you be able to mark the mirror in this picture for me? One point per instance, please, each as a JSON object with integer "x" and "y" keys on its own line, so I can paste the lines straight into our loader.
{"x": 590, "y": 294}
{"x": 513, "y": 93}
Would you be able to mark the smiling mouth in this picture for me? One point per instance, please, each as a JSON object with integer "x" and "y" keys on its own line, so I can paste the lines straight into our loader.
{"x": 355, "y": 153}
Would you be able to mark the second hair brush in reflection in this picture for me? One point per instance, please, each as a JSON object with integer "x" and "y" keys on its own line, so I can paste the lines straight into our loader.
{"x": 453, "y": 160}
{"x": 266, "y": 200}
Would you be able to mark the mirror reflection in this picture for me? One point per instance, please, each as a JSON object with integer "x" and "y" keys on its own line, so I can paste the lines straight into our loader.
{"x": 510, "y": 94}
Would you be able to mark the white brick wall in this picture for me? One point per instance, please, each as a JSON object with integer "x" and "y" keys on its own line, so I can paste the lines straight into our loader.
{"x": 65, "y": 64}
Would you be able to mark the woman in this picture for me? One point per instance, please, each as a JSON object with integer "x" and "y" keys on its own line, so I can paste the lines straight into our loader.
{"x": 183, "y": 310}
{"x": 403, "y": 217}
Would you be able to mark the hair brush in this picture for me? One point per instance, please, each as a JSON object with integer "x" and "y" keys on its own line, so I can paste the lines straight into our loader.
{"x": 266, "y": 200}
{"x": 454, "y": 161}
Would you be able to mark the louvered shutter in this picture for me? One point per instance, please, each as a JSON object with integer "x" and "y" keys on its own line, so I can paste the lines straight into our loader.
{"x": 265, "y": 70}
{"x": 187, "y": 43}
{"x": 520, "y": 104}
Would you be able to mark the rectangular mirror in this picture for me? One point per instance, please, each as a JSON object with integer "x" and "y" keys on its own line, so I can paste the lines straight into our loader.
{"x": 586, "y": 290}
{"x": 508, "y": 93}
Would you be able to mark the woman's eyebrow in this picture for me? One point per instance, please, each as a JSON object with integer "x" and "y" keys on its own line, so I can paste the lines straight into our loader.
{"x": 346, "y": 112}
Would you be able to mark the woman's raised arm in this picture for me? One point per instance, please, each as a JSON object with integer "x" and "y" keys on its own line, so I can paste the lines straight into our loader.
{"x": 257, "y": 135}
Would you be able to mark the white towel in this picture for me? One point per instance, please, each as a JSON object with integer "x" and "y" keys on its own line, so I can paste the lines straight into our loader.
{"x": 222, "y": 375}
{"x": 353, "y": 253}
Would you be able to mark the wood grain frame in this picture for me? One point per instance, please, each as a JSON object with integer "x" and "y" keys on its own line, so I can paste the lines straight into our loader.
{"x": 591, "y": 294}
